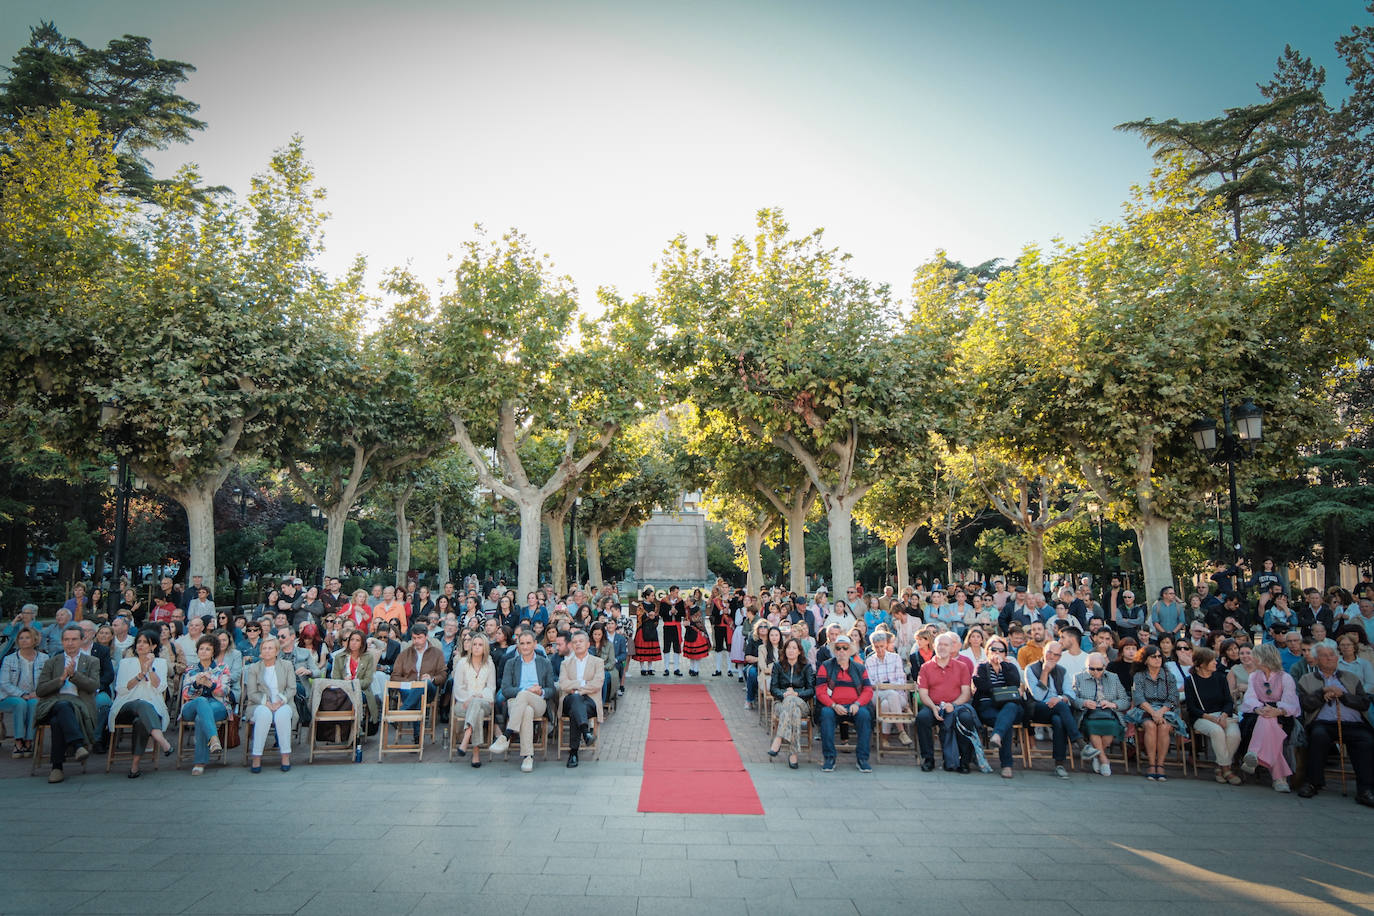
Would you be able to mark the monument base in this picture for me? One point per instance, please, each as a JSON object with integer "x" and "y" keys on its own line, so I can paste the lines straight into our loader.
{"x": 672, "y": 550}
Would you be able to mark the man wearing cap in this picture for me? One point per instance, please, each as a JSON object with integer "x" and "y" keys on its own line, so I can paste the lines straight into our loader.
{"x": 844, "y": 691}
{"x": 885, "y": 667}
{"x": 946, "y": 687}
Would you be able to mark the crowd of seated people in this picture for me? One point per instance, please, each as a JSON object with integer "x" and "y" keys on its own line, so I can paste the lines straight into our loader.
{"x": 1085, "y": 674}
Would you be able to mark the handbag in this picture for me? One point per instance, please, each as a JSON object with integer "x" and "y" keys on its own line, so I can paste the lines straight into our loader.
{"x": 231, "y": 731}
{"x": 1009, "y": 693}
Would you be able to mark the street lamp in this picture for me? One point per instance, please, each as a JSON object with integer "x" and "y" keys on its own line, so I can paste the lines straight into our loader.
{"x": 123, "y": 484}
{"x": 1095, "y": 511}
{"x": 1232, "y": 449}
{"x": 577, "y": 557}
{"x": 316, "y": 517}
{"x": 242, "y": 494}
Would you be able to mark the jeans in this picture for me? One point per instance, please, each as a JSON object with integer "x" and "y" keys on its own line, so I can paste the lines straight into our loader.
{"x": 22, "y": 711}
{"x": 205, "y": 713}
{"x": 863, "y": 725}
{"x": 65, "y": 730}
{"x": 103, "y": 702}
{"x": 410, "y": 699}
{"x": 1002, "y": 721}
{"x": 951, "y": 742}
{"x": 1062, "y": 726}
{"x": 751, "y": 683}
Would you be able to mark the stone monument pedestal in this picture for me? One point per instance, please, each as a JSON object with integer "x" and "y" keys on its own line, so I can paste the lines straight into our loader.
{"x": 672, "y": 550}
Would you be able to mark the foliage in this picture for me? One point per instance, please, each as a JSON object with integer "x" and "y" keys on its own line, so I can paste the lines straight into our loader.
{"x": 131, "y": 92}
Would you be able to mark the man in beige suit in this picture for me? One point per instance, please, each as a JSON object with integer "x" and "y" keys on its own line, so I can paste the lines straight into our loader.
{"x": 580, "y": 679}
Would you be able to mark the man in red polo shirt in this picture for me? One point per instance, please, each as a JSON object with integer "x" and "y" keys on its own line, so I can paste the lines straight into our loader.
{"x": 946, "y": 688}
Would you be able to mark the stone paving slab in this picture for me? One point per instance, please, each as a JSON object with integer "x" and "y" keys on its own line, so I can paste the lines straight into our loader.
{"x": 433, "y": 837}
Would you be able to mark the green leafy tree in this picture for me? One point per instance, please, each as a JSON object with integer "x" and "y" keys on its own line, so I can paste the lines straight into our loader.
{"x": 367, "y": 421}
{"x": 131, "y": 92}
{"x": 303, "y": 544}
{"x": 512, "y": 367}
{"x": 1352, "y": 143}
{"x": 778, "y": 335}
{"x": 1303, "y": 166}
{"x": 170, "y": 313}
{"x": 1127, "y": 337}
{"x": 1234, "y": 155}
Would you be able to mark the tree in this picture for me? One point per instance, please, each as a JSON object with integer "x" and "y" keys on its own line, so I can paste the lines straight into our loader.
{"x": 131, "y": 92}
{"x": 899, "y": 504}
{"x": 177, "y": 314}
{"x": 508, "y": 362}
{"x": 1301, "y": 142}
{"x": 780, "y": 337}
{"x": 1164, "y": 314}
{"x": 368, "y": 420}
{"x": 1233, "y": 155}
{"x": 1352, "y": 144}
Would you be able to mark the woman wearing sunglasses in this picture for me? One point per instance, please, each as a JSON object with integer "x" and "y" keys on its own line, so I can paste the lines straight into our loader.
{"x": 1099, "y": 698}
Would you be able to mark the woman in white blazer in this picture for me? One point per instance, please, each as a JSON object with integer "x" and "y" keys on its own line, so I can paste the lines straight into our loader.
{"x": 474, "y": 692}
{"x": 140, "y": 698}
{"x": 269, "y": 695}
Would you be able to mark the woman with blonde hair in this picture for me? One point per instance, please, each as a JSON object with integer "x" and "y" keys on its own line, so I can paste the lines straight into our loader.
{"x": 474, "y": 693}
{"x": 1267, "y": 714}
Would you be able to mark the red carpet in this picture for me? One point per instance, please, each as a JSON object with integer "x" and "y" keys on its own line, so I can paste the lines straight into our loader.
{"x": 690, "y": 762}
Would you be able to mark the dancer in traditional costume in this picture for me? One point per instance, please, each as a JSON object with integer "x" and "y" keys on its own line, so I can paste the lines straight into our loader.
{"x": 647, "y": 649}
{"x": 695, "y": 644}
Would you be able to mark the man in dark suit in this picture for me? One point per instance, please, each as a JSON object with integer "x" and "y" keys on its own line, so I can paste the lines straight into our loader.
{"x": 104, "y": 698}
{"x": 66, "y": 701}
{"x": 527, "y": 686}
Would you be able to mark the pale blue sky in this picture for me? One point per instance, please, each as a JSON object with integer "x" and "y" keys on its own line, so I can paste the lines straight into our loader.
{"x": 603, "y": 129}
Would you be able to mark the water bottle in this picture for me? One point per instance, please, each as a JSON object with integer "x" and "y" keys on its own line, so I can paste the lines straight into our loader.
{"x": 358, "y": 753}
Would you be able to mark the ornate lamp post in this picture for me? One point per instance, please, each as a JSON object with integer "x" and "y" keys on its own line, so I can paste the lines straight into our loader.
{"x": 1231, "y": 450}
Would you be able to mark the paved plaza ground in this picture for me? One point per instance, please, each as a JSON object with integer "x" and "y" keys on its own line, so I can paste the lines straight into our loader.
{"x": 335, "y": 839}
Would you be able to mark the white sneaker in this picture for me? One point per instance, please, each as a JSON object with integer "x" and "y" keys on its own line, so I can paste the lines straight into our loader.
{"x": 527, "y": 765}
{"x": 1249, "y": 764}
{"x": 1281, "y": 785}
{"x": 500, "y": 745}
{"x": 1106, "y": 768}
{"x": 903, "y": 737}
{"x": 1097, "y": 765}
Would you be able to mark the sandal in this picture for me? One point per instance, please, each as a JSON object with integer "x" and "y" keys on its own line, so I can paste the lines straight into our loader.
{"x": 215, "y": 746}
{"x": 1221, "y": 775}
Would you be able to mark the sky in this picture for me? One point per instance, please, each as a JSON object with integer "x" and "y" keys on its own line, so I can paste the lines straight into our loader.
{"x": 604, "y": 129}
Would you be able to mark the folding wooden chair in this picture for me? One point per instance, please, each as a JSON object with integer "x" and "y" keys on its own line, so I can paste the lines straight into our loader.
{"x": 455, "y": 730}
{"x": 393, "y": 716}
{"x": 902, "y": 720}
{"x": 115, "y": 754}
{"x": 565, "y": 738}
{"x": 346, "y": 722}
{"x": 38, "y": 733}
{"x": 182, "y": 748}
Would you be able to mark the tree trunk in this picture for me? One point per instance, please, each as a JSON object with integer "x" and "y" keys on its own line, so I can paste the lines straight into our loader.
{"x": 592, "y": 542}
{"x": 949, "y": 554}
{"x": 402, "y": 536}
{"x": 441, "y": 544}
{"x": 335, "y": 517}
{"x": 531, "y": 521}
{"x": 1035, "y": 558}
{"x": 753, "y": 558}
{"x": 199, "y": 504}
{"x": 1153, "y": 534}
{"x": 903, "y": 576}
{"x": 558, "y": 554}
{"x": 839, "y": 514}
{"x": 1331, "y": 554}
{"x": 796, "y": 543}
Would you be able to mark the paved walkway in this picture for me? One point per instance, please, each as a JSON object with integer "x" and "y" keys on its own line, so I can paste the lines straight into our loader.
{"x": 336, "y": 839}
